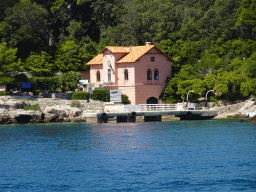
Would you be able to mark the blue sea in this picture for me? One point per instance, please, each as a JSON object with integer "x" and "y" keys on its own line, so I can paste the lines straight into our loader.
{"x": 209, "y": 155}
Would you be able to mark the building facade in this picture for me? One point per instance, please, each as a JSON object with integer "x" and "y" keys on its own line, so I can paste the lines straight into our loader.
{"x": 140, "y": 71}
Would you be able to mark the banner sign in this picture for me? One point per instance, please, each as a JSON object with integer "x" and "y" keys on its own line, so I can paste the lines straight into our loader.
{"x": 115, "y": 96}
{"x": 82, "y": 82}
{"x": 26, "y": 85}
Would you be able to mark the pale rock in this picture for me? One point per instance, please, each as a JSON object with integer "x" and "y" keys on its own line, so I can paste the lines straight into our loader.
{"x": 10, "y": 104}
{"x": 50, "y": 117}
{"x": 75, "y": 112}
{"x": 22, "y": 116}
{"x": 58, "y": 110}
{"x": 246, "y": 108}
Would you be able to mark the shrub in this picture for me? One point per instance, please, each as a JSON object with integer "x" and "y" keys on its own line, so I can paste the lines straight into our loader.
{"x": 45, "y": 82}
{"x": 3, "y": 93}
{"x": 64, "y": 89}
{"x": 85, "y": 85}
{"x": 101, "y": 94}
{"x": 36, "y": 92}
{"x": 125, "y": 99}
{"x": 32, "y": 107}
{"x": 75, "y": 104}
{"x": 80, "y": 96}
{"x": 70, "y": 79}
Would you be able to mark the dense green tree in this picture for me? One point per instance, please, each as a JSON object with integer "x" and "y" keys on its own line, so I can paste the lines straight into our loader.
{"x": 246, "y": 21}
{"x": 72, "y": 56}
{"x": 39, "y": 64}
{"x": 70, "y": 79}
{"x": 25, "y": 27}
{"x": 249, "y": 87}
{"x": 8, "y": 60}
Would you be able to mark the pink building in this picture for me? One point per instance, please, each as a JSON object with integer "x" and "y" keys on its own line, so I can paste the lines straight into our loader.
{"x": 140, "y": 71}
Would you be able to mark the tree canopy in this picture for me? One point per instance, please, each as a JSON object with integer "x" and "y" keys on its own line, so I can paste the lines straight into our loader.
{"x": 211, "y": 41}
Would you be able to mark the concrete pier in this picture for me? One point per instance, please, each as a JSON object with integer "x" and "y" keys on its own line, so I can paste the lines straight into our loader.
{"x": 156, "y": 115}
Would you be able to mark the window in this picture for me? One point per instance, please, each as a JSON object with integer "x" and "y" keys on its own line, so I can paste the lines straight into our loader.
{"x": 109, "y": 75}
{"x": 98, "y": 76}
{"x": 156, "y": 74}
{"x": 126, "y": 77}
{"x": 152, "y": 59}
{"x": 149, "y": 74}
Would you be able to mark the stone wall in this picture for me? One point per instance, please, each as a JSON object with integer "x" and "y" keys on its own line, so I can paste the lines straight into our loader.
{"x": 91, "y": 106}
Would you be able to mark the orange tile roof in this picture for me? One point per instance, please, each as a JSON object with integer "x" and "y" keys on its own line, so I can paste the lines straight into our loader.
{"x": 114, "y": 49}
{"x": 133, "y": 54}
{"x": 96, "y": 60}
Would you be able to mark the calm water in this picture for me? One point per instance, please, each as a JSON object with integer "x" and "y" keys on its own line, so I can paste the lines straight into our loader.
{"x": 213, "y": 155}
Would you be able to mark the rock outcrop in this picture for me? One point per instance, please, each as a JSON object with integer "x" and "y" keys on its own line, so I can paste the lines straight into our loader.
{"x": 52, "y": 110}
{"x": 20, "y": 116}
{"x": 60, "y": 114}
{"x": 239, "y": 110}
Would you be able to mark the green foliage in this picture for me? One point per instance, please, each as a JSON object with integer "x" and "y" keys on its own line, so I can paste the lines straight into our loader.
{"x": 24, "y": 26}
{"x": 72, "y": 56}
{"x": 207, "y": 39}
{"x": 8, "y": 60}
{"x": 195, "y": 85}
{"x": 36, "y": 92}
{"x": 101, "y": 94}
{"x": 39, "y": 64}
{"x": 43, "y": 83}
{"x": 13, "y": 82}
{"x": 250, "y": 66}
{"x": 76, "y": 104}
{"x": 70, "y": 79}
{"x": 66, "y": 82}
{"x": 35, "y": 107}
{"x": 249, "y": 87}
{"x": 171, "y": 94}
{"x": 125, "y": 99}
{"x": 80, "y": 96}
{"x": 56, "y": 5}
{"x": 246, "y": 20}
{"x": 65, "y": 89}
{"x": 3, "y": 93}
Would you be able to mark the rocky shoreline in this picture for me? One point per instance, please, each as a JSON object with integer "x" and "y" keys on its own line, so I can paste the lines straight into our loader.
{"x": 50, "y": 110}
{"x": 51, "y": 114}
{"x": 62, "y": 110}
{"x": 239, "y": 110}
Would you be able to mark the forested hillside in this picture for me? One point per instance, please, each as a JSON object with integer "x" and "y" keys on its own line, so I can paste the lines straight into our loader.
{"x": 213, "y": 42}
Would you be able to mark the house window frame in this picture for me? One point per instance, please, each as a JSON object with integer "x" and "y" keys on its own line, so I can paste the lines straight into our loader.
{"x": 98, "y": 76}
{"x": 156, "y": 74}
{"x": 109, "y": 75}
{"x": 126, "y": 75}
{"x": 153, "y": 59}
{"x": 149, "y": 74}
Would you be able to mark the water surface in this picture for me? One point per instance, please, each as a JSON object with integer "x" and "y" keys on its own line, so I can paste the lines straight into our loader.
{"x": 212, "y": 155}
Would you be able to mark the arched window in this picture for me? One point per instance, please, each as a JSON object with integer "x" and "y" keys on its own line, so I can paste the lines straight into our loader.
{"x": 149, "y": 74}
{"x": 126, "y": 77}
{"x": 156, "y": 74}
{"x": 98, "y": 76}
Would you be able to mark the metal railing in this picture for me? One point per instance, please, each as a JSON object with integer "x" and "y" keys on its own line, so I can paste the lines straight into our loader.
{"x": 158, "y": 107}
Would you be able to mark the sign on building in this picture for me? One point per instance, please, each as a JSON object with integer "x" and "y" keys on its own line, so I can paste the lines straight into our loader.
{"x": 82, "y": 82}
{"x": 115, "y": 96}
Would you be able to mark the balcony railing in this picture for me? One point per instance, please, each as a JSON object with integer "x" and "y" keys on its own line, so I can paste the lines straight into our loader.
{"x": 158, "y": 107}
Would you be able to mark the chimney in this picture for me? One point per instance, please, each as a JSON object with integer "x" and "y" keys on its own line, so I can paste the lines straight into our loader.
{"x": 148, "y": 43}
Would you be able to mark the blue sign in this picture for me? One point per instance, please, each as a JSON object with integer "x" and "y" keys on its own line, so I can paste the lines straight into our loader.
{"x": 26, "y": 85}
